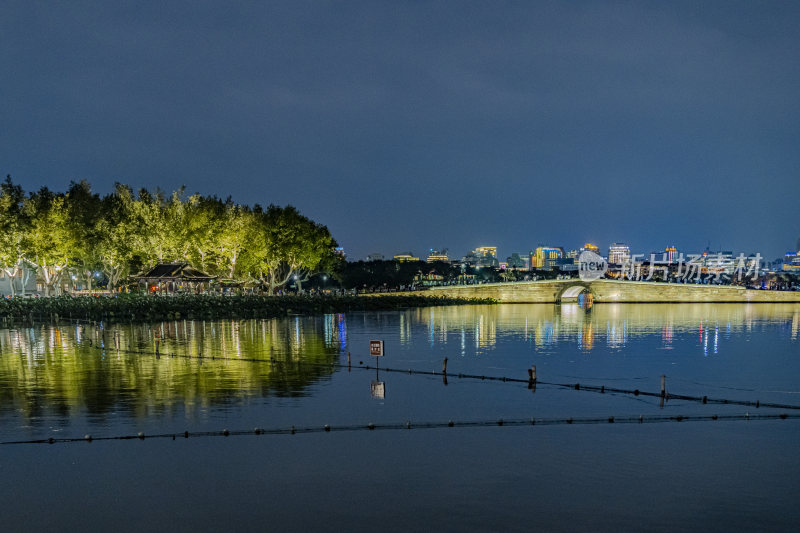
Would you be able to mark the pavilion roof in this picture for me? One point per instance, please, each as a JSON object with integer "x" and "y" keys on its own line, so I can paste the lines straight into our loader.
{"x": 174, "y": 272}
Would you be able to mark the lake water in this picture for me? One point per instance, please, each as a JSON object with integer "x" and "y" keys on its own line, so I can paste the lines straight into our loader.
{"x": 67, "y": 381}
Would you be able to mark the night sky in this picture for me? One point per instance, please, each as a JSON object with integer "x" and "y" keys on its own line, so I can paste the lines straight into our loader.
{"x": 416, "y": 125}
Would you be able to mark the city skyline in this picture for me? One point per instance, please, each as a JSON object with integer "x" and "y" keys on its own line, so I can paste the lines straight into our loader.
{"x": 671, "y": 250}
{"x": 405, "y": 124}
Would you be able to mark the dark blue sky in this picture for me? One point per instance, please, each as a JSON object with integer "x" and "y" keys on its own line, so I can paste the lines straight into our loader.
{"x": 412, "y": 125}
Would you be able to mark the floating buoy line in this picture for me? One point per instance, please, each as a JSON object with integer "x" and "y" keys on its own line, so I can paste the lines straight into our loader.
{"x": 532, "y": 381}
{"x": 409, "y": 425}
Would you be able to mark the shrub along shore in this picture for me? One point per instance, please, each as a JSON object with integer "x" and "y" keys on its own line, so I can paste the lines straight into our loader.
{"x": 144, "y": 308}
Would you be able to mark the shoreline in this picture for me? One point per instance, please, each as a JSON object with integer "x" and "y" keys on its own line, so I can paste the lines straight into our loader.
{"x": 149, "y": 308}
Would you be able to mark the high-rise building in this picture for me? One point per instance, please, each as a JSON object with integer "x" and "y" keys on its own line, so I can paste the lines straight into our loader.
{"x": 671, "y": 254}
{"x": 546, "y": 256}
{"x": 375, "y": 257}
{"x": 402, "y": 258}
{"x": 484, "y": 256}
{"x": 791, "y": 262}
{"x": 619, "y": 253}
{"x": 436, "y": 255}
{"x": 486, "y": 251}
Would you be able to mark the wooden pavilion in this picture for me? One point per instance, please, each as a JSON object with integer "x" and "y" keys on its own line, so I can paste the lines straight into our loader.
{"x": 174, "y": 278}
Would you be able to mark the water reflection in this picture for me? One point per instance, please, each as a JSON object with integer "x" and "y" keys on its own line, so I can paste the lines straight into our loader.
{"x": 63, "y": 371}
{"x": 51, "y": 371}
{"x": 611, "y": 325}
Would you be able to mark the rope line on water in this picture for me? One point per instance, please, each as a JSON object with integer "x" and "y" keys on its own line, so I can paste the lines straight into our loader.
{"x": 602, "y": 389}
{"x": 408, "y": 425}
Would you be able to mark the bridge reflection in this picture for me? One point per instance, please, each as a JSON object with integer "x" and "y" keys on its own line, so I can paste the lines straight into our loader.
{"x": 609, "y": 324}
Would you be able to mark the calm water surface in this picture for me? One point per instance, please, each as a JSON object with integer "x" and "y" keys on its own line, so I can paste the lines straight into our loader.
{"x": 67, "y": 381}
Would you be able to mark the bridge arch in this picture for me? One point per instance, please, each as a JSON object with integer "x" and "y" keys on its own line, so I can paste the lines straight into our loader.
{"x": 571, "y": 292}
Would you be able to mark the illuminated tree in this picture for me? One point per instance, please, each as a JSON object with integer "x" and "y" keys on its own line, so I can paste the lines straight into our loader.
{"x": 49, "y": 242}
{"x": 83, "y": 213}
{"x": 123, "y": 232}
{"x": 294, "y": 246}
{"x": 13, "y": 227}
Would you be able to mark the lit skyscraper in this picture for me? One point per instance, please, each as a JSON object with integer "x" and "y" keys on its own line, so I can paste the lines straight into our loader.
{"x": 619, "y": 253}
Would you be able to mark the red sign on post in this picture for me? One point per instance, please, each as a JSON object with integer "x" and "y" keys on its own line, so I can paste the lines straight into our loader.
{"x": 376, "y": 348}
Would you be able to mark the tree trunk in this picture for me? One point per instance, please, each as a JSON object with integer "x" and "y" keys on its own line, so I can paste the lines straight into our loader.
{"x": 26, "y": 275}
{"x": 11, "y": 277}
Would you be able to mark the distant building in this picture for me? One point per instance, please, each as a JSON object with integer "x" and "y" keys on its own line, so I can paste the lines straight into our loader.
{"x": 375, "y": 257}
{"x": 486, "y": 251}
{"x": 428, "y": 279}
{"x": 589, "y": 247}
{"x": 671, "y": 254}
{"x": 574, "y": 254}
{"x": 791, "y": 262}
{"x": 719, "y": 262}
{"x": 517, "y": 261}
{"x": 547, "y": 257}
{"x": 402, "y": 258}
{"x": 619, "y": 254}
{"x": 438, "y": 256}
{"x": 484, "y": 256}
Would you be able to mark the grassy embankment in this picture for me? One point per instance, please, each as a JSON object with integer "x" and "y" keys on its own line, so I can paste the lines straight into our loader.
{"x": 141, "y": 308}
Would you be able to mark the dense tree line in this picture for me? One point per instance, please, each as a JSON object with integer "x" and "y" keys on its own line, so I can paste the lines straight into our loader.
{"x": 80, "y": 233}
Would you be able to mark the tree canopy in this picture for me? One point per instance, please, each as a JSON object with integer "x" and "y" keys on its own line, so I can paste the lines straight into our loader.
{"x": 82, "y": 234}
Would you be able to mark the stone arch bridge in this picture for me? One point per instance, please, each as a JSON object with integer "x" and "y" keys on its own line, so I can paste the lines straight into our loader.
{"x": 606, "y": 290}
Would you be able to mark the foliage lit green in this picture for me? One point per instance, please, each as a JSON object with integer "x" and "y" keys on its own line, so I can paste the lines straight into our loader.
{"x": 79, "y": 233}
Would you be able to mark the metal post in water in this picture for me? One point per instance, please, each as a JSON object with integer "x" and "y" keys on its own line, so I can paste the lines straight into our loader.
{"x": 444, "y": 366}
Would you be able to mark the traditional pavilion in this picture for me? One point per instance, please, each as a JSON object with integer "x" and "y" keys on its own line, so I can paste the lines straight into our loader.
{"x": 174, "y": 277}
